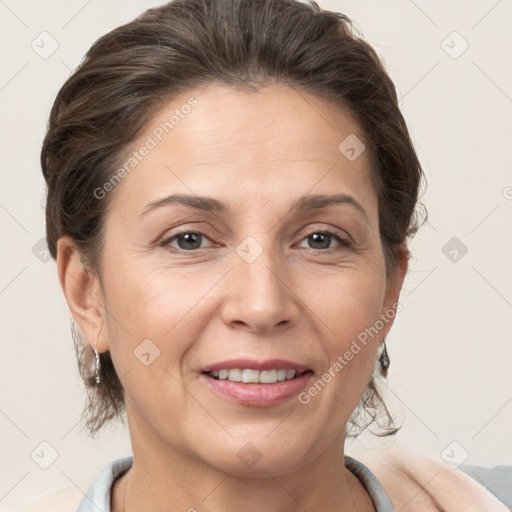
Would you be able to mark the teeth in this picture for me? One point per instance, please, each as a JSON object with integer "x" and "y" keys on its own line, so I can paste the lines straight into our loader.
{"x": 248, "y": 375}
{"x": 235, "y": 375}
{"x": 268, "y": 376}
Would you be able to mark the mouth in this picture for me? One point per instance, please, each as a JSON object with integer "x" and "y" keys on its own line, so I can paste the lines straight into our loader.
{"x": 257, "y": 384}
{"x": 247, "y": 375}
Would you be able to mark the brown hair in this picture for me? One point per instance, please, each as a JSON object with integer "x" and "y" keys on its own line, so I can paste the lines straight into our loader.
{"x": 130, "y": 72}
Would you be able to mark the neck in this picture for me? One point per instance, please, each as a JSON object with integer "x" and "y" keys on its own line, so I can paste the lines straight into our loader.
{"x": 167, "y": 478}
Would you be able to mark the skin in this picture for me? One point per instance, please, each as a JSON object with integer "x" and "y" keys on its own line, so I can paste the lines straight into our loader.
{"x": 298, "y": 300}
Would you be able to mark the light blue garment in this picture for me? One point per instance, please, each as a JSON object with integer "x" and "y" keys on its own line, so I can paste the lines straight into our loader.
{"x": 97, "y": 498}
{"x": 497, "y": 480}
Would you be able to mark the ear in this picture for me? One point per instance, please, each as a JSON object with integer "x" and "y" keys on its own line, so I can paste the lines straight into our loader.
{"x": 393, "y": 288}
{"x": 83, "y": 294}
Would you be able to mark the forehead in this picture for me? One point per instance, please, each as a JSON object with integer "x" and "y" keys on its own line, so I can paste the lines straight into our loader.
{"x": 275, "y": 140}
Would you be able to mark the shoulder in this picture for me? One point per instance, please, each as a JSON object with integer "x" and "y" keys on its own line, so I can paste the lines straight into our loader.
{"x": 421, "y": 482}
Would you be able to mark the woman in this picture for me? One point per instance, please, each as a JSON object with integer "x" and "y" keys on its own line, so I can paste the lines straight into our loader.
{"x": 231, "y": 189}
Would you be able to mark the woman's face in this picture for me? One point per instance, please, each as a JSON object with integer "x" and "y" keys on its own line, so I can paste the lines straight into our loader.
{"x": 252, "y": 277}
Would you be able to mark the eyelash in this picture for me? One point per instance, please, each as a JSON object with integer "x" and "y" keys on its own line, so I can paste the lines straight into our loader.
{"x": 345, "y": 243}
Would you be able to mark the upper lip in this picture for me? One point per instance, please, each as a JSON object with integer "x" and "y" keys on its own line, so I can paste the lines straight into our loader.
{"x": 253, "y": 364}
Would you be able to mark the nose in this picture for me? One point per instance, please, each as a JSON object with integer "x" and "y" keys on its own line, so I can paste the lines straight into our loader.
{"x": 260, "y": 294}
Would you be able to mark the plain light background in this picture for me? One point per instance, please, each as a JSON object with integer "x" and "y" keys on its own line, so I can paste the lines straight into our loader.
{"x": 451, "y": 345}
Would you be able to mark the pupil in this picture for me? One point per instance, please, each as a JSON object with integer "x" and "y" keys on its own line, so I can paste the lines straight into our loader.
{"x": 316, "y": 236}
{"x": 190, "y": 238}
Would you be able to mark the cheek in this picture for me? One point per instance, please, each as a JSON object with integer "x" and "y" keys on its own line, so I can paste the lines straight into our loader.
{"x": 151, "y": 328}
{"x": 155, "y": 310}
{"x": 352, "y": 313}
{"x": 350, "y": 306}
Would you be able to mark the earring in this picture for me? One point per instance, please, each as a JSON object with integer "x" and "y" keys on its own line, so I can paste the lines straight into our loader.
{"x": 384, "y": 360}
{"x": 98, "y": 367}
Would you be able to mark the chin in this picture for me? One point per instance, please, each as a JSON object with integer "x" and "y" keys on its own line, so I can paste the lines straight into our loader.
{"x": 259, "y": 455}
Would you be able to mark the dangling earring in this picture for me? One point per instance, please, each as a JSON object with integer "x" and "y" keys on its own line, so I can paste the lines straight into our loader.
{"x": 98, "y": 367}
{"x": 384, "y": 360}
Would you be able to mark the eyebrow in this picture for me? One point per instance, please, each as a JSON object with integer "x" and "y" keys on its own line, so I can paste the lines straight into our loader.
{"x": 304, "y": 203}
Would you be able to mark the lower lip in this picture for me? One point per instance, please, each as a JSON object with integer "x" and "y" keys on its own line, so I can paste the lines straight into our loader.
{"x": 256, "y": 395}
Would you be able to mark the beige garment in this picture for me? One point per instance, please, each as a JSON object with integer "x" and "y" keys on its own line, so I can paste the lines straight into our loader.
{"x": 60, "y": 500}
{"x": 419, "y": 482}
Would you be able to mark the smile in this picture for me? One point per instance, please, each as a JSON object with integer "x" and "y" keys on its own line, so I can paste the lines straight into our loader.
{"x": 254, "y": 376}
{"x": 256, "y": 388}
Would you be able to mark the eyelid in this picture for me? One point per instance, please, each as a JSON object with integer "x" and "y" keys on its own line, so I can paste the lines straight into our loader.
{"x": 330, "y": 229}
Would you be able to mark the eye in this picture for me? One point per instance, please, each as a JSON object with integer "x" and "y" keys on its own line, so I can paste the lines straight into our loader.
{"x": 322, "y": 239}
{"x": 187, "y": 240}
